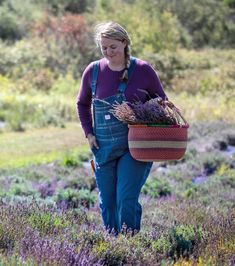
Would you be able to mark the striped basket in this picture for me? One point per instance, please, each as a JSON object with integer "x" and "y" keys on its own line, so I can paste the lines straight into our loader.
{"x": 158, "y": 142}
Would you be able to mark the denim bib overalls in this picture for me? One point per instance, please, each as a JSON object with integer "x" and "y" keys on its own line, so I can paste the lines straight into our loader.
{"x": 119, "y": 177}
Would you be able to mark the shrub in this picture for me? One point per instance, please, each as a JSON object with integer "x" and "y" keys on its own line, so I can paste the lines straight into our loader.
{"x": 75, "y": 198}
{"x": 156, "y": 187}
{"x": 184, "y": 238}
{"x": 16, "y": 17}
{"x": 70, "y": 160}
{"x": 206, "y": 21}
{"x": 9, "y": 26}
{"x": 151, "y": 30}
{"x": 67, "y": 39}
{"x": 23, "y": 111}
{"x": 212, "y": 163}
{"x": 22, "y": 58}
{"x": 167, "y": 64}
{"x": 46, "y": 223}
{"x": 162, "y": 244}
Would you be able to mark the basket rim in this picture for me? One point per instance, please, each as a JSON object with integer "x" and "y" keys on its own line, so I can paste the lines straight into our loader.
{"x": 158, "y": 125}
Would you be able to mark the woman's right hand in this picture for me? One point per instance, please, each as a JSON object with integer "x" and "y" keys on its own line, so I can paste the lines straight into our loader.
{"x": 92, "y": 141}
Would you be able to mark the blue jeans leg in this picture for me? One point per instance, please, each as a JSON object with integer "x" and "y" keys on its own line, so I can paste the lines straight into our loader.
{"x": 131, "y": 176}
{"x": 106, "y": 182}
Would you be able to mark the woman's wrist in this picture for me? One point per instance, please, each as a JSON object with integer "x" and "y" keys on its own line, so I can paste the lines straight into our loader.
{"x": 89, "y": 135}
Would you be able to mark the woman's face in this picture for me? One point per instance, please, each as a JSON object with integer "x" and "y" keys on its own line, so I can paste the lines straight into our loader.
{"x": 113, "y": 50}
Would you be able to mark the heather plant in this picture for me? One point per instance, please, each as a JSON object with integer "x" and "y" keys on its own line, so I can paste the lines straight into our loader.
{"x": 49, "y": 251}
{"x": 156, "y": 187}
{"x": 153, "y": 111}
{"x": 186, "y": 218}
{"x": 226, "y": 176}
{"x": 46, "y": 223}
{"x": 74, "y": 198}
{"x": 184, "y": 238}
{"x": 16, "y": 186}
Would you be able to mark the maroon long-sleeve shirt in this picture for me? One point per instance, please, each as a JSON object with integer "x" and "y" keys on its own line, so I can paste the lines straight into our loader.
{"x": 144, "y": 83}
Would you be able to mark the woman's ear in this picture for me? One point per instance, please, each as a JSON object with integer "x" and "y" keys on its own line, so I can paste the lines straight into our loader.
{"x": 124, "y": 42}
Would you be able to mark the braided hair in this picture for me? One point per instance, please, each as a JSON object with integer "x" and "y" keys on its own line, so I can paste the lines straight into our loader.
{"x": 115, "y": 31}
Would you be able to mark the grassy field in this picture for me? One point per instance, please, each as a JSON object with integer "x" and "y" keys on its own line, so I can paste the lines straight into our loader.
{"x": 40, "y": 145}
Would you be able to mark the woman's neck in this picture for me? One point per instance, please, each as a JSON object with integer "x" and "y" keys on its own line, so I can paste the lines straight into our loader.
{"x": 116, "y": 67}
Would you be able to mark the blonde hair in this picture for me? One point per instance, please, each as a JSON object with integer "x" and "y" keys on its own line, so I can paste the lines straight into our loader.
{"x": 115, "y": 31}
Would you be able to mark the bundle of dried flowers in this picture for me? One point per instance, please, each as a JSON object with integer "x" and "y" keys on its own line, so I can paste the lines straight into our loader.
{"x": 154, "y": 111}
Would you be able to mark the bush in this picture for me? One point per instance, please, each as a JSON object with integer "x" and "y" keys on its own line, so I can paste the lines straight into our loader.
{"x": 16, "y": 17}
{"x": 22, "y": 58}
{"x": 9, "y": 27}
{"x": 151, "y": 30}
{"x": 156, "y": 187}
{"x": 74, "y": 198}
{"x": 207, "y": 22}
{"x": 23, "y": 111}
{"x": 167, "y": 64}
{"x": 184, "y": 238}
{"x": 68, "y": 43}
{"x": 46, "y": 223}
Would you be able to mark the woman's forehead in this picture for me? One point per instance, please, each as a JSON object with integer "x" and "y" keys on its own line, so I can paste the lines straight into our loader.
{"x": 107, "y": 41}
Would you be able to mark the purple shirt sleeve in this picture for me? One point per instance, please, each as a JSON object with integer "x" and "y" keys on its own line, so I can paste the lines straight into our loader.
{"x": 143, "y": 84}
{"x": 84, "y": 101}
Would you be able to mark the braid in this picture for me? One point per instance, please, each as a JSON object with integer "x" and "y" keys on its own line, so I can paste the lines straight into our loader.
{"x": 127, "y": 64}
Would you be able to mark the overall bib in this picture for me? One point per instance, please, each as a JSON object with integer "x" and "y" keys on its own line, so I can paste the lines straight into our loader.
{"x": 119, "y": 177}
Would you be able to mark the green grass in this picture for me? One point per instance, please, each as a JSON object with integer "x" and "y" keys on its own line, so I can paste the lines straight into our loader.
{"x": 40, "y": 145}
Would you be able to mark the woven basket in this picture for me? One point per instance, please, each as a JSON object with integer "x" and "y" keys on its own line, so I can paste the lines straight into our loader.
{"x": 158, "y": 142}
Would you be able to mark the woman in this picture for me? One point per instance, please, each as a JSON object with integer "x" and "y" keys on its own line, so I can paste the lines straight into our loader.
{"x": 115, "y": 78}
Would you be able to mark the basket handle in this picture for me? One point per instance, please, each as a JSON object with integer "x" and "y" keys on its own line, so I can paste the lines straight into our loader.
{"x": 177, "y": 112}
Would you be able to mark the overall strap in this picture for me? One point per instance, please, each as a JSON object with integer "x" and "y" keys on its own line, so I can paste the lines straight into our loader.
{"x": 95, "y": 71}
{"x": 123, "y": 84}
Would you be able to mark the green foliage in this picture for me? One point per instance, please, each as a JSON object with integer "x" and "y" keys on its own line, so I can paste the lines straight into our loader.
{"x": 156, "y": 187}
{"x": 206, "y": 22}
{"x": 9, "y": 28}
{"x": 46, "y": 222}
{"x": 191, "y": 192}
{"x": 74, "y": 158}
{"x": 162, "y": 244}
{"x": 183, "y": 238}
{"x": 22, "y": 58}
{"x": 167, "y": 64}
{"x": 212, "y": 163}
{"x": 179, "y": 241}
{"x": 161, "y": 33}
{"x": 65, "y": 85}
{"x": 57, "y": 7}
{"x": 16, "y": 186}
{"x": 68, "y": 41}
{"x": 110, "y": 254}
{"x": 21, "y": 111}
{"x": 16, "y": 17}
{"x": 230, "y": 3}
{"x": 226, "y": 176}
{"x": 75, "y": 198}
{"x": 70, "y": 160}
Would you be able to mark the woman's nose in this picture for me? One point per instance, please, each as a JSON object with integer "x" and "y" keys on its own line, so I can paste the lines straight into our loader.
{"x": 109, "y": 51}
